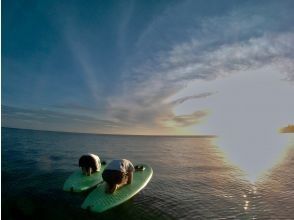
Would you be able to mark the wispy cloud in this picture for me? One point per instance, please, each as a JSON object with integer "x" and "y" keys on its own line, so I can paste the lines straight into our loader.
{"x": 88, "y": 70}
{"x": 126, "y": 68}
{"x": 50, "y": 120}
{"x": 229, "y": 58}
{"x": 245, "y": 38}
{"x": 186, "y": 98}
{"x": 186, "y": 120}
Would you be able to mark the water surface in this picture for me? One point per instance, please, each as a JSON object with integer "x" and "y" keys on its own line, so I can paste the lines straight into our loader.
{"x": 192, "y": 180}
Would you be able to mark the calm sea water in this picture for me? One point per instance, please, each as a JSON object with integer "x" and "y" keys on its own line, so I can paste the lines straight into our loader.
{"x": 191, "y": 179}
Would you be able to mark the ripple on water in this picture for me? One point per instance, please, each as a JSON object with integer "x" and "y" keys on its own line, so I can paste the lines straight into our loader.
{"x": 191, "y": 179}
{"x": 275, "y": 192}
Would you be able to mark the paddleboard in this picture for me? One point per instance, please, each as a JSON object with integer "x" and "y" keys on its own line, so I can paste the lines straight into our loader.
{"x": 99, "y": 201}
{"x": 78, "y": 182}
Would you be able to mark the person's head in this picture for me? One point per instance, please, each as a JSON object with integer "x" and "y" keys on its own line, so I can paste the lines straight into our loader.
{"x": 88, "y": 165}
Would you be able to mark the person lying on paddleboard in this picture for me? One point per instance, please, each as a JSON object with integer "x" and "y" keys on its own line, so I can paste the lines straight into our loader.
{"x": 90, "y": 163}
{"x": 118, "y": 173}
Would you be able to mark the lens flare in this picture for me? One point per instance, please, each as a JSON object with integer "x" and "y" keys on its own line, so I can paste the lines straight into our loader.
{"x": 246, "y": 114}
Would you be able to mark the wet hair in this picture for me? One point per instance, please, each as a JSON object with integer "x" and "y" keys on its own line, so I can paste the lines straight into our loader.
{"x": 87, "y": 161}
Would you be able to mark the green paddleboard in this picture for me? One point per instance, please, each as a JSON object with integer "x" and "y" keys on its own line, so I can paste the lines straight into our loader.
{"x": 78, "y": 182}
{"x": 99, "y": 201}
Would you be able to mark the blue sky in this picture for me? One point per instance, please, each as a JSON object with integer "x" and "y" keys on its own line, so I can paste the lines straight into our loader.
{"x": 110, "y": 66}
{"x": 153, "y": 67}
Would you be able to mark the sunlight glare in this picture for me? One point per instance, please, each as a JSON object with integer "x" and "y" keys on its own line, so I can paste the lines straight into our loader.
{"x": 246, "y": 113}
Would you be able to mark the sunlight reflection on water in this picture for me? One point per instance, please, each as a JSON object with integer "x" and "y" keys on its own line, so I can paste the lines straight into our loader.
{"x": 256, "y": 155}
{"x": 192, "y": 179}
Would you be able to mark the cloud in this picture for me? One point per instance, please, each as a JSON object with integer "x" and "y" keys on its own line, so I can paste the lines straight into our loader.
{"x": 75, "y": 107}
{"x": 216, "y": 47}
{"x": 245, "y": 37}
{"x": 51, "y": 120}
{"x": 242, "y": 39}
{"x": 132, "y": 67}
{"x": 186, "y": 120}
{"x": 186, "y": 98}
{"x": 227, "y": 59}
{"x": 246, "y": 114}
{"x": 88, "y": 70}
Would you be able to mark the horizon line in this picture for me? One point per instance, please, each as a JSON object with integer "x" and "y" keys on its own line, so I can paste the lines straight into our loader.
{"x": 109, "y": 134}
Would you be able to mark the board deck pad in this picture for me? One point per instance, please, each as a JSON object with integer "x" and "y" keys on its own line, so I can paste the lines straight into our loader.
{"x": 78, "y": 182}
{"x": 98, "y": 200}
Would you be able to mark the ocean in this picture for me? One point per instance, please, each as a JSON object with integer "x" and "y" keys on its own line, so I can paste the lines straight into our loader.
{"x": 192, "y": 179}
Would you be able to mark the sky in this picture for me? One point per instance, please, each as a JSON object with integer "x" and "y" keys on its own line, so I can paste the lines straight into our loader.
{"x": 190, "y": 67}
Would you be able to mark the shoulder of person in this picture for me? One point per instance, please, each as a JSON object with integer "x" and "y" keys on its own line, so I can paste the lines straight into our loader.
{"x": 129, "y": 164}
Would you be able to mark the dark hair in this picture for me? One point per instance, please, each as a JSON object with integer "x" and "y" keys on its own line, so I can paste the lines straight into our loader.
{"x": 112, "y": 187}
{"x": 87, "y": 161}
